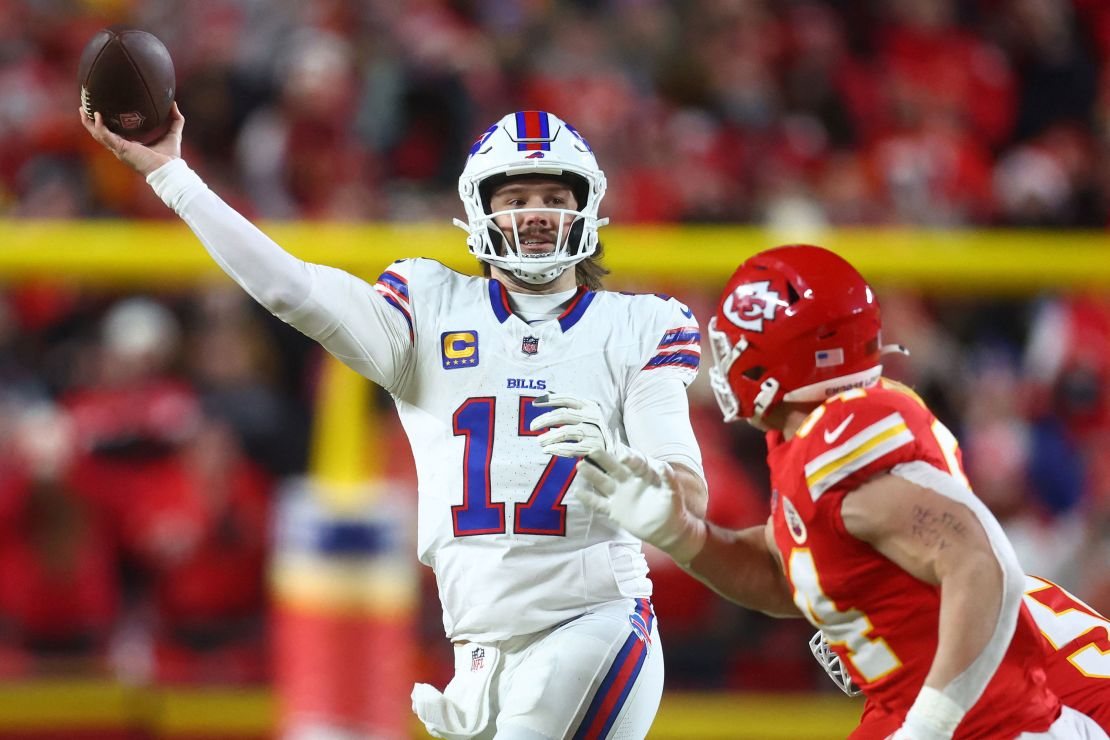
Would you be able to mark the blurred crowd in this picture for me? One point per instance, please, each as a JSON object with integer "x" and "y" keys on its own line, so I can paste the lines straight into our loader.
{"x": 141, "y": 438}
{"x": 140, "y": 444}
{"x": 930, "y": 112}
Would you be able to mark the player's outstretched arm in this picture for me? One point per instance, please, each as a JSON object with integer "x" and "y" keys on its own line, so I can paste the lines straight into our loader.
{"x": 740, "y": 565}
{"x": 949, "y": 540}
{"x": 642, "y": 499}
{"x": 375, "y": 340}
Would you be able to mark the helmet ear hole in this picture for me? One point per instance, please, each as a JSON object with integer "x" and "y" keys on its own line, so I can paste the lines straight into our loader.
{"x": 792, "y": 294}
{"x": 754, "y": 373}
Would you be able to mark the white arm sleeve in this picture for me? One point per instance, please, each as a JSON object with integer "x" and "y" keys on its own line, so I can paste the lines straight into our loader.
{"x": 345, "y": 314}
{"x": 966, "y": 688}
{"x": 657, "y": 421}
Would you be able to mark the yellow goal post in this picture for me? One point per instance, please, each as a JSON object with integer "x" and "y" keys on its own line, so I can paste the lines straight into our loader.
{"x": 150, "y": 253}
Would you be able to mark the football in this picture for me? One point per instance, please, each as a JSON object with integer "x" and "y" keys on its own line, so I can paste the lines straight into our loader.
{"x": 127, "y": 75}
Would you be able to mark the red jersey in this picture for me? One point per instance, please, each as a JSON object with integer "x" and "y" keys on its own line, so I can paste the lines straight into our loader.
{"x": 1078, "y": 642}
{"x": 1077, "y": 639}
{"x": 879, "y": 619}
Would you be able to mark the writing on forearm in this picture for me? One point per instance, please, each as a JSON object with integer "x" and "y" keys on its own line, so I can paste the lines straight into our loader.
{"x": 936, "y": 529}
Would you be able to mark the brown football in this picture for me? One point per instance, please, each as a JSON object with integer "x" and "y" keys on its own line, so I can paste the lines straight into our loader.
{"x": 127, "y": 75}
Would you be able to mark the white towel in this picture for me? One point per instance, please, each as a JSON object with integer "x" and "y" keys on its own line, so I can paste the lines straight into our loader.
{"x": 462, "y": 710}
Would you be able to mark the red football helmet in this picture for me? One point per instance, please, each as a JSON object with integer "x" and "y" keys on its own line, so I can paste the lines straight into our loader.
{"x": 795, "y": 323}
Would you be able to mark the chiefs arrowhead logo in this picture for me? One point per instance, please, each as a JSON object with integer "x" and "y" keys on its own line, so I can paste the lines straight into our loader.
{"x": 794, "y": 521}
{"x": 751, "y": 304}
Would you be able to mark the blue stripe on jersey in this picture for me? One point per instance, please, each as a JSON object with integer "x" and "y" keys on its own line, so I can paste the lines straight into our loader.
{"x": 684, "y": 359}
{"x": 574, "y": 312}
{"x": 680, "y": 336}
{"x": 396, "y": 282}
{"x": 499, "y": 301}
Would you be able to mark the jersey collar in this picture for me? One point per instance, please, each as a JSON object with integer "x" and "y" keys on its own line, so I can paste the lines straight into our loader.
{"x": 499, "y": 301}
{"x": 577, "y": 308}
{"x": 571, "y": 315}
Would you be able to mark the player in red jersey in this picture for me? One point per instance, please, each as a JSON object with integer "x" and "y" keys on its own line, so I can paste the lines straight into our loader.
{"x": 1075, "y": 636}
{"x": 874, "y": 535}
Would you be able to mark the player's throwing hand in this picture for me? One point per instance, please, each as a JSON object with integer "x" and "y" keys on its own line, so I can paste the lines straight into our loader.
{"x": 142, "y": 159}
{"x": 641, "y": 498}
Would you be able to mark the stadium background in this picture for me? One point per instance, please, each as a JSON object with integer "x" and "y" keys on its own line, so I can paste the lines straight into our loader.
{"x": 205, "y": 525}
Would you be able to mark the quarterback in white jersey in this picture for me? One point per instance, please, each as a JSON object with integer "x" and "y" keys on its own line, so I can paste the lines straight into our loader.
{"x": 502, "y": 383}
{"x": 512, "y": 552}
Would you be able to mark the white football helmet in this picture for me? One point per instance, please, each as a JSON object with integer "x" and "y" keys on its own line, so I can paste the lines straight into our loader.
{"x": 531, "y": 143}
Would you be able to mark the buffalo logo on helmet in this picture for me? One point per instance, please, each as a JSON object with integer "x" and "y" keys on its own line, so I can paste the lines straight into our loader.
{"x": 481, "y": 140}
{"x": 751, "y": 304}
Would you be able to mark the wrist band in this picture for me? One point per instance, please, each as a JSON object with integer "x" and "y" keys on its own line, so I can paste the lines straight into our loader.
{"x": 176, "y": 184}
{"x": 934, "y": 714}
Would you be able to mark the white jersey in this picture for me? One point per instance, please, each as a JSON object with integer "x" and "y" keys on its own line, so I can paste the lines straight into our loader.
{"x": 513, "y": 551}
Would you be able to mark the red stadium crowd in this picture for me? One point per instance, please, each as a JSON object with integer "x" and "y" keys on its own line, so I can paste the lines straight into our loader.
{"x": 141, "y": 440}
{"x": 931, "y": 112}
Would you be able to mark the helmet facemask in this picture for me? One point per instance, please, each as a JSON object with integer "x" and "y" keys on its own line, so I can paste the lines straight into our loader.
{"x": 725, "y": 355}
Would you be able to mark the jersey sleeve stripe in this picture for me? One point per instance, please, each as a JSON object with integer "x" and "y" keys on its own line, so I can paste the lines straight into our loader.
{"x": 860, "y": 445}
{"x": 684, "y": 358}
{"x": 682, "y": 335}
{"x": 395, "y": 281}
{"x": 393, "y": 302}
{"x": 850, "y": 444}
{"x": 388, "y": 290}
{"x": 836, "y": 471}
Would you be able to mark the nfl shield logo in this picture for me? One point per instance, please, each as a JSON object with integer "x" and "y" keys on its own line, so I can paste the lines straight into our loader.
{"x": 477, "y": 659}
{"x": 530, "y": 345}
{"x": 130, "y": 120}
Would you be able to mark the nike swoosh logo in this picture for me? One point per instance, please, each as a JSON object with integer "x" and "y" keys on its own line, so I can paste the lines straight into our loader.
{"x": 831, "y": 436}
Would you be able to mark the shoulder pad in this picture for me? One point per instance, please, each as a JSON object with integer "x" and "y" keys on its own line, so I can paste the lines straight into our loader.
{"x": 863, "y": 429}
{"x": 676, "y": 340}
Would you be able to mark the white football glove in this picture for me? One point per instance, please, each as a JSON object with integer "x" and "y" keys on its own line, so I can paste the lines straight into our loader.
{"x": 578, "y": 427}
{"x": 641, "y": 497}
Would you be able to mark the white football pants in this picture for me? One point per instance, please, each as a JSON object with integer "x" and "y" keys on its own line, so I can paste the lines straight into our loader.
{"x": 1071, "y": 725}
{"x": 594, "y": 677}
